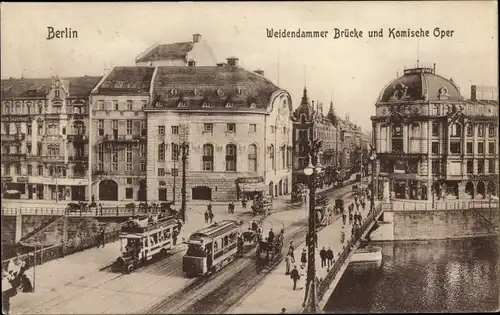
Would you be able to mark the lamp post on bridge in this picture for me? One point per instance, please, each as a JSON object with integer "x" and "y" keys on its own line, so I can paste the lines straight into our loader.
{"x": 184, "y": 146}
{"x": 312, "y": 170}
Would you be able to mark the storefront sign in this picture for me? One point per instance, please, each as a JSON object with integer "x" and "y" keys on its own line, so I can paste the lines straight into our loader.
{"x": 22, "y": 179}
{"x": 16, "y": 118}
{"x": 6, "y": 179}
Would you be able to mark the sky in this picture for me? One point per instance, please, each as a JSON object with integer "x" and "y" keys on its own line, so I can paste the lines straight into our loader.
{"x": 351, "y": 72}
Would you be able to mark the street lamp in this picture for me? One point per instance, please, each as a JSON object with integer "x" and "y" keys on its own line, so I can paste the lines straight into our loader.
{"x": 312, "y": 170}
{"x": 184, "y": 152}
{"x": 373, "y": 157}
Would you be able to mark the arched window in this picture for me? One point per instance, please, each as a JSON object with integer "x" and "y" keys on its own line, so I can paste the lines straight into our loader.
{"x": 303, "y": 118}
{"x": 480, "y": 130}
{"x": 175, "y": 152}
{"x": 469, "y": 130}
{"x": 230, "y": 157}
{"x": 283, "y": 157}
{"x": 491, "y": 130}
{"x": 208, "y": 157}
{"x": 252, "y": 158}
{"x": 271, "y": 156}
{"x": 415, "y": 130}
{"x": 161, "y": 152}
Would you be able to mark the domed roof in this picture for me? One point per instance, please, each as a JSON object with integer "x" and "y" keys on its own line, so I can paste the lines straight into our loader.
{"x": 420, "y": 84}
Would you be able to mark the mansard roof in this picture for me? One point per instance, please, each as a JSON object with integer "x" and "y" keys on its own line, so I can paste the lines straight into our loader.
{"x": 211, "y": 88}
{"x": 127, "y": 80}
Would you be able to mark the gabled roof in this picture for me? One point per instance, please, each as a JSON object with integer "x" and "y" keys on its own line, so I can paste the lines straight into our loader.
{"x": 39, "y": 88}
{"x": 127, "y": 80}
{"x": 167, "y": 51}
{"x": 211, "y": 88}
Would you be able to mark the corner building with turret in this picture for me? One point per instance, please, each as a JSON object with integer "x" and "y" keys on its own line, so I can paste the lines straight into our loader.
{"x": 431, "y": 143}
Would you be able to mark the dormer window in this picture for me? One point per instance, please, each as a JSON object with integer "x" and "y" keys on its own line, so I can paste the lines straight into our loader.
{"x": 253, "y": 105}
{"x": 173, "y": 92}
{"x": 229, "y": 104}
{"x": 220, "y": 92}
{"x": 239, "y": 91}
{"x": 182, "y": 104}
{"x": 206, "y": 104}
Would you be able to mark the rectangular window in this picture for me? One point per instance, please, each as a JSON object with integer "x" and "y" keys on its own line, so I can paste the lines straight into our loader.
{"x": 29, "y": 129}
{"x": 129, "y": 193}
{"x": 161, "y": 172}
{"x": 480, "y": 167}
{"x": 491, "y": 166}
{"x": 435, "y": 129}
{"x": 435, "y": 147}
{"x": 435, "y": 167}
{"x": 142, "y": 148}
{"x": 480, "y": 130}
{"x": 492, "y": 130}
{"x": 455, "y": 147}
{"x": 480, "y": 148}
{"x": 253, "y": 128}
{"x": 175, "y": 130}
{"x": 175, "y": 172}
{"x": 40, "y": 170}
{"x": 100, "y": 166}
{"x": 470, "y": 148}
{"x": 129, "y": 105}
{"x": 144, "y": 131}
{"x": 28, "y": 149}
{"x": 175, "y": 152}
{"x": 161, "y": 152}
{"x": 114, "y": 124}
{"x": 100, "y": 105}
{"x": 7, "y": 169}
{"x": 30, "y": 169}
{"x": 129, "y": 181}
{"x": 208, "y": 127}
{"x": 143, "y": 104}
{"x": 470, "y": 167}
{"x": 115, "y": 105}
{"x": 161, "y": 130}
{"x": 100, "y": 127}
{"x": 100, "y": 156}
{"x": 491, "y": 147}
{"x": 18, "y": 169}
{"x": 115, "y": 167}
{"x": 231, "y": 128}
{"x": 208, "y": 165}
{"x": 129, "y": 127}
{"x": 143, "y": 167}
{"x": 115, "y": 157}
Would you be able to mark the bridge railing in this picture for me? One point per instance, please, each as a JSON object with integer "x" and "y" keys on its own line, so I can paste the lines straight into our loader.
{"x": 444, "y": 205}
{"x": 92, "y": 212}
{"x": 73, "y": 245}
{"x": 325, "y": 283}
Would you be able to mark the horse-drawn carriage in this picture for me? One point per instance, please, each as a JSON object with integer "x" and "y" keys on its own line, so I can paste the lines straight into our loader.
{"x": 262, "y": 205}
{"x": 268, "y": 251}
{"x": 78, "y": 207}
{"x": 247, "y": 241}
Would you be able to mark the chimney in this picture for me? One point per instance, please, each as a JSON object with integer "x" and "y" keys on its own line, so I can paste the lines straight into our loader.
{"x": 258, "y": 71}
{"x": 220, "y": 64}
{"x": 473, "y": 90}
{"x": 434, "y": 68}
{"x": 196, "y": 38}
{"x": 232, "y": 61}
{"x": 191, "y": 63}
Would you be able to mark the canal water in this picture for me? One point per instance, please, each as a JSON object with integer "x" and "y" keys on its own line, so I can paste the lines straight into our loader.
{"x": 428, "y": 276}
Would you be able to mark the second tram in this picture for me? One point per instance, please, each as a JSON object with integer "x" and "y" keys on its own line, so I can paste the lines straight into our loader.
{"x": 211, "y": 248}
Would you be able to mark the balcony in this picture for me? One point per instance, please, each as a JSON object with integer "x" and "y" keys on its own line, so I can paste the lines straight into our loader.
{"x": 13, "y": 138}
{"x": 51, "y": 138}
{"x": 13, "y": 157}
{"x": 47, "y": 158}
{"x": 122, "y": 139}
{"x": 79, "y": 158}
{"x": 78, "y": 138}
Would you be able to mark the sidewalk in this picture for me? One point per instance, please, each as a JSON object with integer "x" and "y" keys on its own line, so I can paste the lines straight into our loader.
{"x": 281, "y": 285}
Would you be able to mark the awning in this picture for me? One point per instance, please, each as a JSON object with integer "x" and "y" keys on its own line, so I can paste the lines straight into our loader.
{"x": 252, "y": 187}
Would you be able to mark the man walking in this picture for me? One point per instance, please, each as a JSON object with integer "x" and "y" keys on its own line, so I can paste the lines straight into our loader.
{"x": 295, "y": 276}
{"x": 350, "y": 218}
{"x": 288, "y": 261}
{"x": 329, "y": 257}
{"x": 303, "y": 259}
{"x": 322, "y": 255}
{"x": 344, "y": 216}
{"x": 101, "y": 237}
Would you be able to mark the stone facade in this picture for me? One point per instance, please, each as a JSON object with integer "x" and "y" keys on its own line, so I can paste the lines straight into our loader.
{"x": 433, "y": 144}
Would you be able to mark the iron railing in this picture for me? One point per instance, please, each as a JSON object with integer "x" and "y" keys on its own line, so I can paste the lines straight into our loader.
{"x": 73, "y": 245}
{"x": 445, "y": 205}
{"x": 93, "y": 212}
{"x": 324, "y": 284}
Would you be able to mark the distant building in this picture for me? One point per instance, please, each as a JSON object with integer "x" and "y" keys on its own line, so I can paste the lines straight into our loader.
{"x": 433, "y": 144}
{"x": 196, "y": 52}
{"x": 44, "y": 137}
{"x": 309, "y": 123}
{"x": 237, "y": 124}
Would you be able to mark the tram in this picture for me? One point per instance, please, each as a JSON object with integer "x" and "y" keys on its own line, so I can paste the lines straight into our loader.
{"x": 210, "y": 248}
{"x": 144, "y": 239}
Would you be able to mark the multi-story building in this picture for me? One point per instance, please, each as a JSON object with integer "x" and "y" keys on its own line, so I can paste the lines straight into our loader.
{"x": 430, "y": 142}
{"x": 236, "y": 123}
{"x": 44, "y": 143}
{"x": 196, "y": 52}
{"x": 118, "y": 134}
{"x": 309, "y": 123}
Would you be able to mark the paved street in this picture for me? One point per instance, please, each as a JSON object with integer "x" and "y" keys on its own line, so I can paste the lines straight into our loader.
{"x": 75, "y": 283}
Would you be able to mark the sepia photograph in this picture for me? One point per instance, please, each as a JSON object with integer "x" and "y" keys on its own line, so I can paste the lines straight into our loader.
{"x": 249, "y": 157}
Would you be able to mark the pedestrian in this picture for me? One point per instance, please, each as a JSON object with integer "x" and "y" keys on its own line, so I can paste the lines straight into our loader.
{"x": 350, "y": 218}
{"x": 289, "y": 262}
{"x": 100, "y": 207}
{"x": 291, "y": 249}
{"x": 303, "y": 259}
{"x": 229, "y": 208}
{"x": 211, "y": 216}
{"x": 209, "y": 207}
{"x": 342, "y": 235}
{"x": 206, "y": 216}
{"x": 322, "y": 255}
{"x": 356, "y": 199}
{"x": 283, "y": 311}
{"x": 329, "y": 257}
{"x": 357, "y": 206}
{"x": 295, "y": 276}
{"x": 271, "y": 236}
{"x": 360, "y": 217}
{"x": 344, "y": 217}
{"x": 232, "y": 207}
